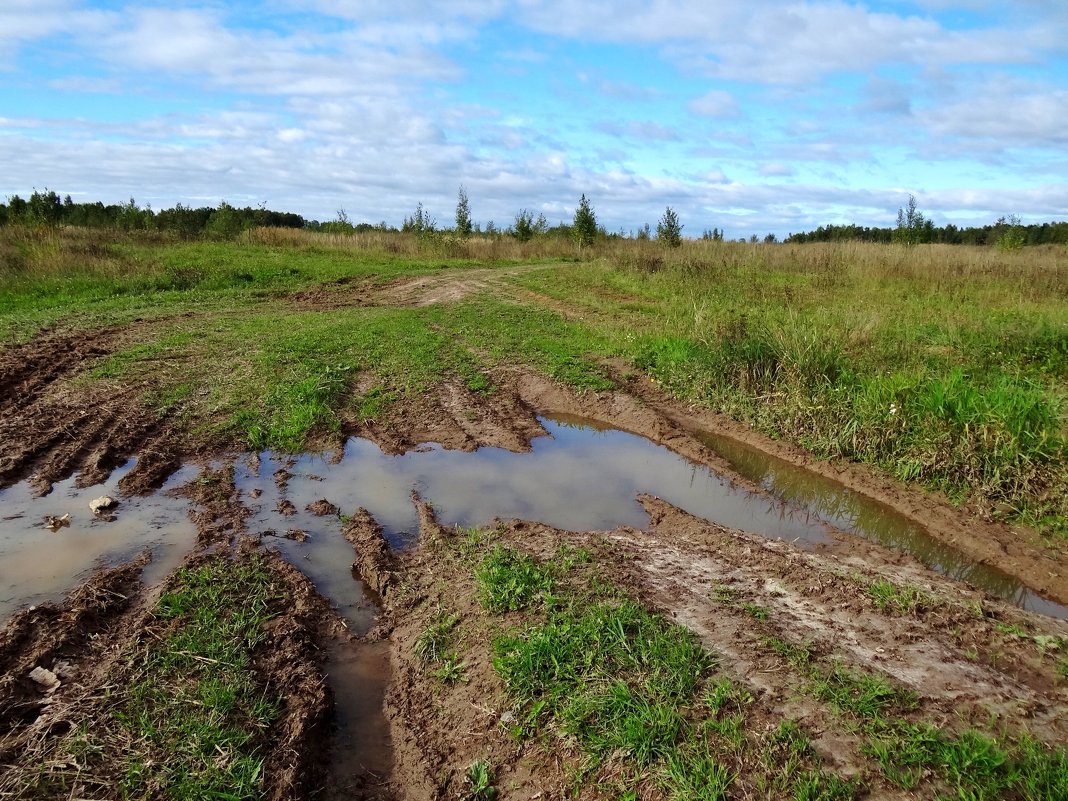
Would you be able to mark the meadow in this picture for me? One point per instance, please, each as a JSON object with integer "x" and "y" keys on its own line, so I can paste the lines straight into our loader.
{"x": 942, "y": 365}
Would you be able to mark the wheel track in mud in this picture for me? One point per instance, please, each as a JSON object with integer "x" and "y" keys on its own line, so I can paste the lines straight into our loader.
{"x": 53, "y": 429}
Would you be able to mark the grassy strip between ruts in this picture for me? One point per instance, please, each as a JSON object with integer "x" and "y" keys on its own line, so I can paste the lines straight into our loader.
{"x": 972, "y": 765}
{"x": 187, "y": 717}
{"x": 641, "y": 698}
{"x": 652, "y": 711}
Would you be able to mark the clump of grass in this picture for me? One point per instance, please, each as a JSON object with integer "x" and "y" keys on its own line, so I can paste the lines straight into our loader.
{"x": 509, "y": 581}
{"x": 759, "y": 612}
{"x": 611, "y": 674}
{"x": 898, "y": 600}
{"x": 972, "y": 764}
{"x": 692, "y": 773}
{"x": 867, "y": 695}
{"x": 434, "y": 647}
{"x": 434, "y": 640}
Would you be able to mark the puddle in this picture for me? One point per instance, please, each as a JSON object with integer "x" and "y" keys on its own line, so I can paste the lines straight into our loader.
{"x": 37, "y": 565}
{"x": 361, "y": 746}
{"x": 584, "y": 477}
{"x": 826, "y": 499}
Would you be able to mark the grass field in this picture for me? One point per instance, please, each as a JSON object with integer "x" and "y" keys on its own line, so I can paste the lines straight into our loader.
{"x": 942, "y": 365}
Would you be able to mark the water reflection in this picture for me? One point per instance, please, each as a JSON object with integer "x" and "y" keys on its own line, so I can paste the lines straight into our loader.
{"x": 38, "y": 565}
{"x": 850, "y": 511}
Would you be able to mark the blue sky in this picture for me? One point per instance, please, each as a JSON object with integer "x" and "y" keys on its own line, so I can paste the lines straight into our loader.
{"x": 753, "y": 117}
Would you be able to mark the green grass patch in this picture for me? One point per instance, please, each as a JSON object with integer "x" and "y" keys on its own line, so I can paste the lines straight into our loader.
{"x": 187, "y": 717}
{"x": 639, "y": 696}
{"x": 898, "y": 600}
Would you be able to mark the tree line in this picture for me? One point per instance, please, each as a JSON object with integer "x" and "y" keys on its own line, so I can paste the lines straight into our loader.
{"x": 226, "y": 221}
{"x": 913, "y": 228}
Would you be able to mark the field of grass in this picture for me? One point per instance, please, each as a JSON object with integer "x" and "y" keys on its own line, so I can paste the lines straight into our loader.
{"x": 942, "y": 365}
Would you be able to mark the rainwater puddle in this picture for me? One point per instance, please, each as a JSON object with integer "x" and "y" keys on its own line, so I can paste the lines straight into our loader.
{"x": 38, "y": 565}
{"x": 826, "y": 499}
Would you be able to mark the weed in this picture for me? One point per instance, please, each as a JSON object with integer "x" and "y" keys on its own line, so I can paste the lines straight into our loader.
{"x": 432, "y": 642}
{"x": 480, "y": 782}
{"x": 757, "y": 611}
{"x": 451, "y": 669}
{"x": 899, "y": 600}
{"x": 724, "y": 594}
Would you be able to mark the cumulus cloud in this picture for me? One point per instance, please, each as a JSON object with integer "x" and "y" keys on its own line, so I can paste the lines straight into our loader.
{"x": 1009, "y": 113}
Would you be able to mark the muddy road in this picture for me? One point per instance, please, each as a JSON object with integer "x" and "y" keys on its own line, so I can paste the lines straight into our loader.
{"x": 846, "y": 636}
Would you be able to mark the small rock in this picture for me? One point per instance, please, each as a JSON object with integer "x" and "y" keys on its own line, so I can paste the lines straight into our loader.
{"x": 45, "y": 679}
{"x": 63, "y": 670}
{"x": 53, "y": 523}
{"x": 102, "y": 504}
{"x": 507, "y": 719}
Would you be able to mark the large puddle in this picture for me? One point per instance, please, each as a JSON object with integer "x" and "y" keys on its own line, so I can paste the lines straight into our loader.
{"x": 582, "y": 477}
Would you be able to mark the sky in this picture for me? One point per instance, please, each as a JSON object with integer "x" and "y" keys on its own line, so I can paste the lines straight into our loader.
{"x": 751, "y": 116}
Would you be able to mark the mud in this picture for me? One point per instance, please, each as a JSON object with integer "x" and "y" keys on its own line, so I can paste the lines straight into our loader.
{"x": 53, "y": 428}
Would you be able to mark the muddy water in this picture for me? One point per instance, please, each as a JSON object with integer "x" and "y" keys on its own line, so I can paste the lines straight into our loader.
{"x": 38, "y": 565}
{"x": 362, "y": 749}
{"x": 825, "y": 499}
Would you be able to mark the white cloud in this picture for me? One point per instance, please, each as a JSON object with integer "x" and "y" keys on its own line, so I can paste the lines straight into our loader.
{"x": 1008, "y": 113}
{"x": 715, "y": 103}
{"x": 784, "y": 41}
{"x": 776, "y": 170}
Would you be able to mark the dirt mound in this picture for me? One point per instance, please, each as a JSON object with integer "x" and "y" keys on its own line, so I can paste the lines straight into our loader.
{"x": 375, "y": 562}
{"x": 57, "y": 638}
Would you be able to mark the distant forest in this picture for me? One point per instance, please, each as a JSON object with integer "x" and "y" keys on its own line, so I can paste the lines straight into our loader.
{"x": 1055, "y": 233}
{"x": 226, "y": 221}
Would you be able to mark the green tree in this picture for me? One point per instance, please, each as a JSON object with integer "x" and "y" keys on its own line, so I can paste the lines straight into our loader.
{"x": 584, "y": 227}
{"x": 669, "y": 229}
{"x": 526, "y": 227}
{"x": 44, "y": 208}
{"x": 912, "y": 226}
{"x": 464, "y": 226}
{"x": 1010, "y": 233}
{"x": 419, "y": 223}
{"x": 645, "y": 233}
{"x": 225, "y": 222}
